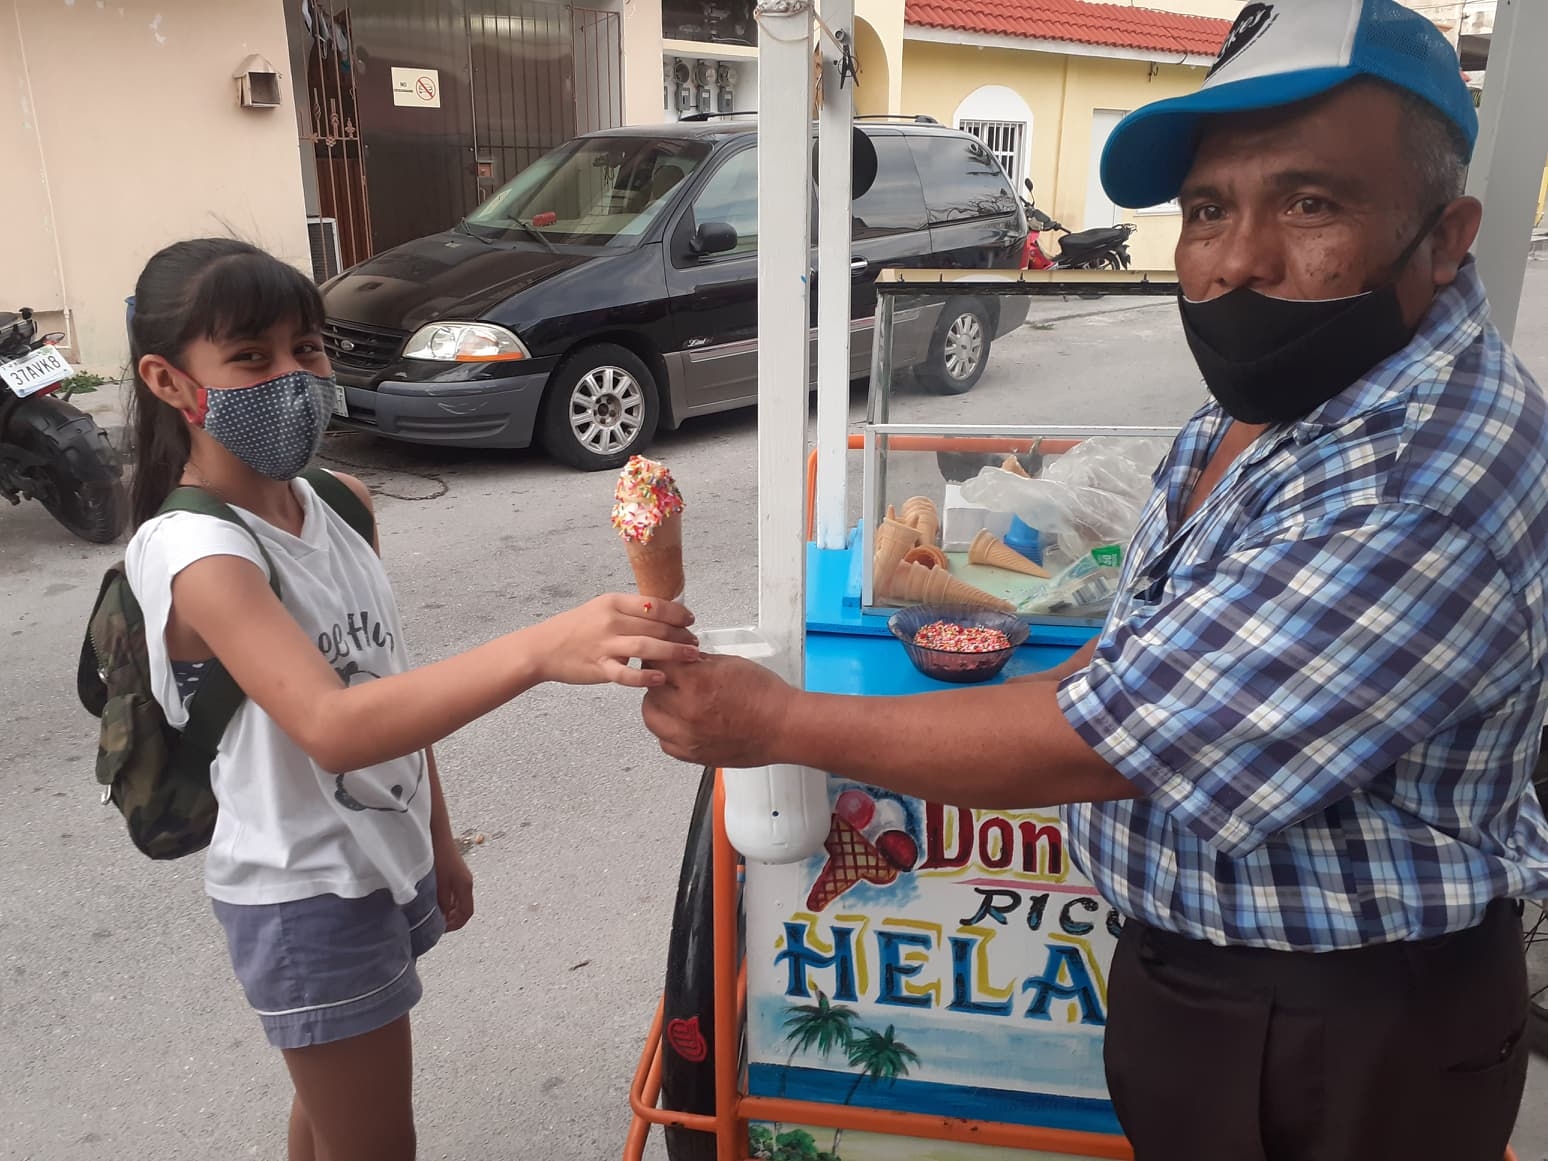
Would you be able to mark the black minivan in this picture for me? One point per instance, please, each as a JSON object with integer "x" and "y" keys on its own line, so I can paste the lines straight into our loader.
{"x": 611, "y": 289}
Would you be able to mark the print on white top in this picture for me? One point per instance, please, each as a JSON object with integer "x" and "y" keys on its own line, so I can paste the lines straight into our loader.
{"x": 287, "y": 829}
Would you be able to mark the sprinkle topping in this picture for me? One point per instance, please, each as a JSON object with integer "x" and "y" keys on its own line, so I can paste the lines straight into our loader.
{"x": 954, "y": 638}
{"x": 645, "y": 497}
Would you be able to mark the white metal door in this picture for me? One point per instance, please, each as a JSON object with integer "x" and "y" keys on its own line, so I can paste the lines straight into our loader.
{"x": 1100, "y": 210}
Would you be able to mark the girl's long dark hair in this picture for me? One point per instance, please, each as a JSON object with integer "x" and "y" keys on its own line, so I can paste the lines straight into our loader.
{"x": 212, "y": 288}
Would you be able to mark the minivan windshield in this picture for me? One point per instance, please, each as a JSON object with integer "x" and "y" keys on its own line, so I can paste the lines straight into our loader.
{"x": 593, "y": 191}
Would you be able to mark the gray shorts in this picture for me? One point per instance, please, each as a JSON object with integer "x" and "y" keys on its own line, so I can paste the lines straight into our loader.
{"x": 327, "y": 968}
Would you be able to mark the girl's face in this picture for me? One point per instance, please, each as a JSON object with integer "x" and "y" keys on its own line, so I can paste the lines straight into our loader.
{"x": 234, "y": 363}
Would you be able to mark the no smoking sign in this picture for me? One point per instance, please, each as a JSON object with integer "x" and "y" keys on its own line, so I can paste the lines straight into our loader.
{"x": 419, "y": 88}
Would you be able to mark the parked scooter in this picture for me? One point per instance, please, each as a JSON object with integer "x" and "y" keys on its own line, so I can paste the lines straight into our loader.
{"x": 50, "y": 451}
{"x": 1104, "y": 248}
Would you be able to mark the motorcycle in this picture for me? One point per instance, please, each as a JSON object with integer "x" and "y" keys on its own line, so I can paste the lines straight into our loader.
{"x": 50, "y": 451}
{"x": 1104, "y": 248}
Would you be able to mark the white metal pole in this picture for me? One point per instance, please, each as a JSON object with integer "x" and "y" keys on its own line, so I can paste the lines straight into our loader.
{"x": 784, "y": 251}
{"x": 1507, "y": 169}
{"x": 835, "y": 126}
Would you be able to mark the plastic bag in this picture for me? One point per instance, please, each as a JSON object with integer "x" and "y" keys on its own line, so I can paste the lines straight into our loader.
{"x": 1089, "y": 497}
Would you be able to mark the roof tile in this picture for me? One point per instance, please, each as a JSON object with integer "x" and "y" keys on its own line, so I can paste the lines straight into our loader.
{"x": 1075, "y": 21}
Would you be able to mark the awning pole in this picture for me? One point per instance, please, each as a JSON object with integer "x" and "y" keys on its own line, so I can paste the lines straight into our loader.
{"x": 784, "y": 251}
{"x": 835, "y": 128}
{"x": 1507, "y": 169}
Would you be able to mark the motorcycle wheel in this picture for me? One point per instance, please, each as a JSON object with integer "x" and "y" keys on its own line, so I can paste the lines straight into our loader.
{"x": 94, "y": 512}
{"x": 81, "y": 483}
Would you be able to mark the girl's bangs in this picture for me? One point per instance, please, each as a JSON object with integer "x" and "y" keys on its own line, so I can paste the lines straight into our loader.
{"x": 244, "y": 295}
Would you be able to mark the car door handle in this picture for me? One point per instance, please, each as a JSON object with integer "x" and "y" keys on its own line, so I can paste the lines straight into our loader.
{"x": 857, "y": 264}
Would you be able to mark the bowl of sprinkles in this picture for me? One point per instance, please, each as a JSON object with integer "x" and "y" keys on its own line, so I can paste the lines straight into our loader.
{"x": 952, "y": 643}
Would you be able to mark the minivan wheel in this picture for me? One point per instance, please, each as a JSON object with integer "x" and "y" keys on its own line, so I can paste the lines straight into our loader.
{"x": 960, "y": 350}
{"x": 600, "y": 409}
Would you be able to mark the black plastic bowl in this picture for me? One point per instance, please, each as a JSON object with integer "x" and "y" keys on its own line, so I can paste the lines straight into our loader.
{"x": 944, "y": 665}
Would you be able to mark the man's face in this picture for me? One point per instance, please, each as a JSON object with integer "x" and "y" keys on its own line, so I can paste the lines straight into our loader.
{"x": 1313, "y": 202}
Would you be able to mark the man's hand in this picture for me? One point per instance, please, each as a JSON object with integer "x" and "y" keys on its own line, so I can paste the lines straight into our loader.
{"x": 453, "y": 884}
{"x": 722, "y": 711}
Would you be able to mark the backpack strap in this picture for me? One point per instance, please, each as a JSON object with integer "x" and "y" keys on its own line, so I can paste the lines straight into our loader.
{"x": 200, "y": 502}
{"x": 218, "y": 698}
{"x": 339, "y": 496}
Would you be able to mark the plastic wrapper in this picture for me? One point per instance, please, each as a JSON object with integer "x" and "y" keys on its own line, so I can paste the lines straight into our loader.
{"x": 1089, "y": 497}
{"x": 1084, "y": 589}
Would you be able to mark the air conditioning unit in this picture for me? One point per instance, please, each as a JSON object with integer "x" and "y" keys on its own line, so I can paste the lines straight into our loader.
{"x": 327, "y": 260}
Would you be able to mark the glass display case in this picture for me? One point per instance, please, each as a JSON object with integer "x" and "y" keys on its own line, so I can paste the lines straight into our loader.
{"x": 962, "y": 510}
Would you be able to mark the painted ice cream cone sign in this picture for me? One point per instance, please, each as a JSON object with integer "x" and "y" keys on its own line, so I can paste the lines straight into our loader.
{"x": 864, "y": 846}
{"x": 648, "y": 514}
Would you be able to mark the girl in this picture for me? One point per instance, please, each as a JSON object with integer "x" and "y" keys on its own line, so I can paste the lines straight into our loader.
{"x": 333, "y": 866}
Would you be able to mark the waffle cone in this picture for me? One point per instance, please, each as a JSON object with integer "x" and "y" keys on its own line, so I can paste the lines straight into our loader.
{"x": 936, "y": 586}
{"x": 987, "y": 548}
{"x": 658, "y": 563}
{"x": 893, "y": 541}
{"x": 852, "y": 859}
{"x": 927, "y": 555}
{"x": 921, "y": 514}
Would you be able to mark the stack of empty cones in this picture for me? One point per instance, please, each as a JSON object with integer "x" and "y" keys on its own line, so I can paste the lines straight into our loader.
{"x": 909, "y": 566}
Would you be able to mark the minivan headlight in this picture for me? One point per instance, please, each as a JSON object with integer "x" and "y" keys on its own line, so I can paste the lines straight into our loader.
{"x": 460, "y": 342}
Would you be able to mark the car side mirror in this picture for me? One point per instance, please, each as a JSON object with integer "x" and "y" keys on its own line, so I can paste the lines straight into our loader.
{"x": 713, "y": 238}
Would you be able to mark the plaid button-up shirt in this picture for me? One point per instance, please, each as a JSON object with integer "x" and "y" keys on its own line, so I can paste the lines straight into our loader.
{"x": 1328, "y": 683}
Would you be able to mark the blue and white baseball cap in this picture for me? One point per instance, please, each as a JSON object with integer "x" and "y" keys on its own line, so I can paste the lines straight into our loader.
{"x": 1278, "y": 54}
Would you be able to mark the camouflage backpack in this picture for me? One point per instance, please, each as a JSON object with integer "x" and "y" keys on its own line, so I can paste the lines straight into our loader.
{"x": 157, "y": 776}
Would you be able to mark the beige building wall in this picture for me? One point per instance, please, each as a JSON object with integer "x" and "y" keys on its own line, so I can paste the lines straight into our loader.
{"x": 1063, "y": 94}
{"x": 642, "y": 62}
{"x": 133, "y": 134}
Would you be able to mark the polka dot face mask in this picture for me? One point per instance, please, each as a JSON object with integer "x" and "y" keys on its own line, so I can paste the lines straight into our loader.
{"x": 274, "y": 427}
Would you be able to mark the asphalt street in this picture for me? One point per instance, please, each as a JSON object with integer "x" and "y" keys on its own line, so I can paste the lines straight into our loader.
{"x": 122, "y": 1030}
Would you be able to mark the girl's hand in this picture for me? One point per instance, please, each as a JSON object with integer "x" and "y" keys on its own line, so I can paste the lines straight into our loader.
{"x": 453, "y": 884}
{"x": 593, "y": 644}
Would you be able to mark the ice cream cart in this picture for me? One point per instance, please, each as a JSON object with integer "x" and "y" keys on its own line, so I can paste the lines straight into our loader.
{"x": 926, "y": 981}
{"x": 930, "y": 982}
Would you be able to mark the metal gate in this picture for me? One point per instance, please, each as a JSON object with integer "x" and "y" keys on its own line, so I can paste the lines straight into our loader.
{"x": 501, "y": 82}
{"x": 330, "y": 125}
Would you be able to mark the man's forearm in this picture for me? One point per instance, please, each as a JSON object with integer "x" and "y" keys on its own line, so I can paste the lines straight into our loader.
{"x": 1070, "y": 666}
{"x": 1004, "y": 747}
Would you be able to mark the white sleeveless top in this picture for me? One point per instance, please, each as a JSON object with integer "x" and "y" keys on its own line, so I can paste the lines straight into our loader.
{"x": 287, "y": 829}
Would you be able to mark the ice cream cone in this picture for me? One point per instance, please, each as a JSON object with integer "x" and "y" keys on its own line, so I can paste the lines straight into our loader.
{"x": 915, "y": 582}
{"x": 658, "y": 562}
{"x": 852, "y": 859}
{"x": 987, "y": 548}
{"x": 893, "y": 541}
{"x": 920, "y": 513}
{"x": 1013, "y": 465}
{"x": 927, "y": 555}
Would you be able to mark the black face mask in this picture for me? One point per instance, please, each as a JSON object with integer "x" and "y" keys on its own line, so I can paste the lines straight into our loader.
{"x": 1274, "y": 360}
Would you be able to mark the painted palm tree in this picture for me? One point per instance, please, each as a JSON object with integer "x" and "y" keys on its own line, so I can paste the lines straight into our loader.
{"x": 879, "y": 1056}
{"x": 822, "y": 1026}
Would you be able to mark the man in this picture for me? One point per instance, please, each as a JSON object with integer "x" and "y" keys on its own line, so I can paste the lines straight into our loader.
{"x": 1297, "y": 757}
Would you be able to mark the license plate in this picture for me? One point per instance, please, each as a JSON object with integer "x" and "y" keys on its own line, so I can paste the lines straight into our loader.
{"x": 340, "y": 404}
{"x": 35, "y": 372}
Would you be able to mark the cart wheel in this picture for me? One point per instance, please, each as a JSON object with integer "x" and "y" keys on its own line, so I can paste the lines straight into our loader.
{"x": 688, "y": 1006}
